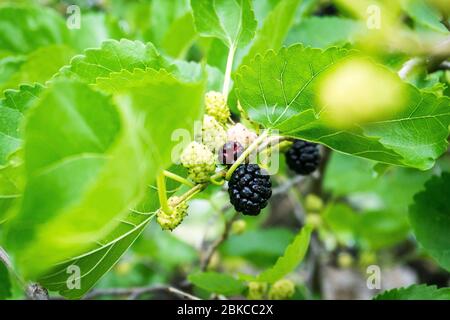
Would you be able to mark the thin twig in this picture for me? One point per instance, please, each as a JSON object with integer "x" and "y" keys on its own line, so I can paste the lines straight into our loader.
{"x": 213, "y": 247}
{"x": 183, "y": 294}
{"x": 5, "y": 258}
{"x": 409, "y": 66}
{"x": 440, "y": 53}
{"x": 135, "y": 293}
{"x": 283, "y": 188}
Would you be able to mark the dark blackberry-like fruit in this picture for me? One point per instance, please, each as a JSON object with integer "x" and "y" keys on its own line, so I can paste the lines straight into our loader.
{"x": 249, "y": 188}
{"x": 230, "y": 152}
{"x": 303, "y": 157}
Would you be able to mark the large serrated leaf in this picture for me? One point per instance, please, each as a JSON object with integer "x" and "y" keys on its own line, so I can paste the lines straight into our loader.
{"x": 430, "y": 219}
{"x": 96, "y": 261}
{"x": 114, "y": 56}
{"x": 84, "y": 213}
{"x": 280, "y": 91}
{"x": 415, "y": 292}
{"x": 39, "y": 66}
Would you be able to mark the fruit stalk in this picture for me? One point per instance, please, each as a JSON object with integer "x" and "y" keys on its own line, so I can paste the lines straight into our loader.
{"x": 162, "y": 192}
{"x": 246, "y": 153}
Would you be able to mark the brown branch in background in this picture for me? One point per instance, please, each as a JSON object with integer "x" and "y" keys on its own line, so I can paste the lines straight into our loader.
{"x": 317, "y": 184}
{"x": 435, "y": 60}
{"x": 445, "y": 21}
{"x": 440, "y": 53}
{"x": 287, "y": 185}
{"x": 135, "y": 293}
{"x": 213, "y": 247}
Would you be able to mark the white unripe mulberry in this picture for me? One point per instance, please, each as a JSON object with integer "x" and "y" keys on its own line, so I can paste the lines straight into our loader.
{"x": 214, "y": 135}
{"x": 171, "y": 220}
{"x": 216, "y": 106}
{"x": 281, "y": 290}
{"x": 199, "y": 161}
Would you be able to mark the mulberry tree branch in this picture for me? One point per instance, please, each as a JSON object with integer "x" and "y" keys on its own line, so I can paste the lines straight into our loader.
{"x": 215, "y": 245}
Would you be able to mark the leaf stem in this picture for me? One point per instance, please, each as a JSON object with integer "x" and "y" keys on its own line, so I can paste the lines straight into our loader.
{"x": 191, "y": 192}
{"x": 228, "y": 69}
{"x": 177, "y": 178}
{"x": 246, "y": 153}
{"x": 220, "y": 174}
{"x": 162, "y": 193}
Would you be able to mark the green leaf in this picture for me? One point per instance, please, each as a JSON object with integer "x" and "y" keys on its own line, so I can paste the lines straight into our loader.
{"x": 164, "y": 15}
{"x": 274, "y": 29}
{"x": 292, "y": 257}
{"x": 430, "y": 219}
{"x": 340, "y": 183}
{"x": 219, "y": 283}
{"x": 12, "y": 109}
{"x": 165, "y": 249}
{"x": 323, "y": 32}
{"x": 24, "y": 29}
{"x": 94, "y": 29}
{"x": 179, "y": 37}
{"x": 5, "y": 282}
{"x": 101, "y": 152}
{"x": 40, "y": 66}
{"x": 393, "y": 190}
{"x": 261, "y": 246}
{"x": 372, "y": 230}
{"x": 94, "y": 263}
{"x": 11, "y": 186}
{"x": 279, "y": 90}
{"x": 9, "y": 66}
{"x": 114, "y": 56}
{"x": 415, "y": 292}
{"x": 232, "y": 21}
{"x": 380, "y": 229}
{"x": 192, "y": 70}
{"x": 187, "y": 99}
{"x": 342, "y": 221}
{"x": 424, "y": 14}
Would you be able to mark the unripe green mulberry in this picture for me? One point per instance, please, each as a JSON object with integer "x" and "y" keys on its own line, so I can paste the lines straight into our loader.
{"x": 345, "y": 260}
{"x": 214, "y": 135}
{"x": 241, "y": 134}
{"x": 238, "y": 226}
{"x": 199, "y": 161}
{"x": 171, "y": 220}
{"x": 313, "y": 203}
{"x": 216, "y": 106}
{"x": 281, "y": 290}
{"x": 256, "y": 290}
